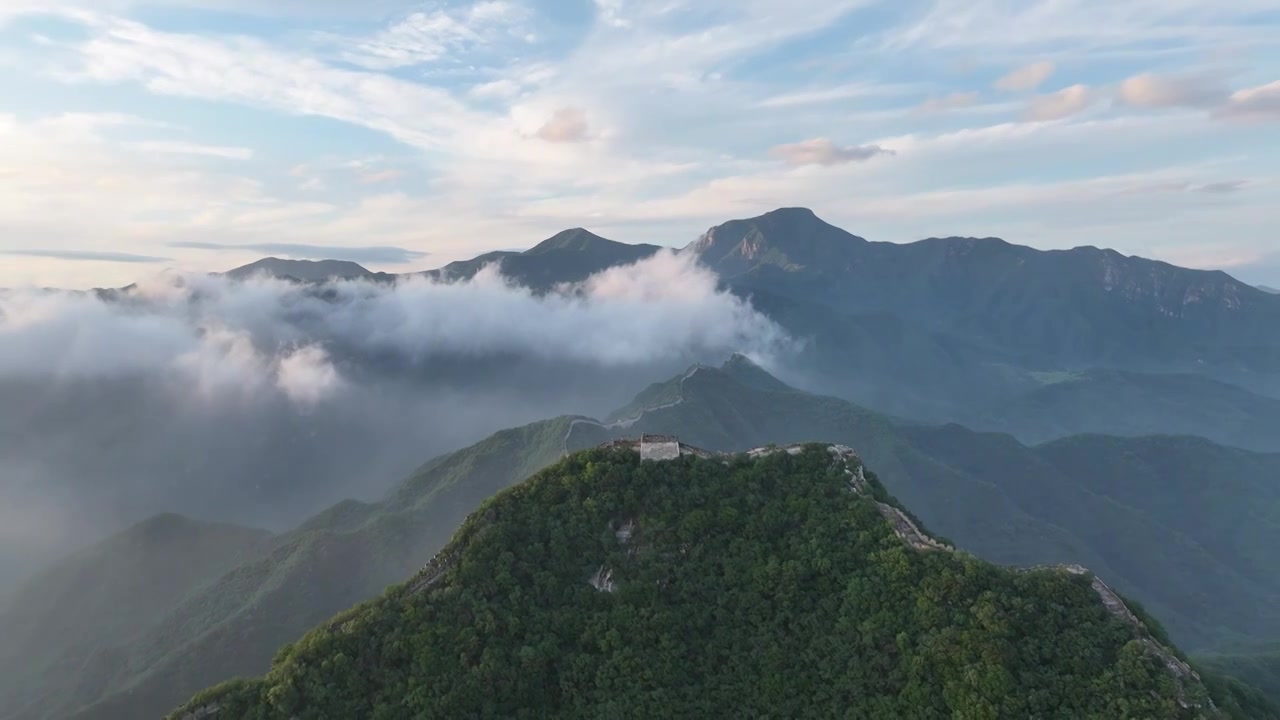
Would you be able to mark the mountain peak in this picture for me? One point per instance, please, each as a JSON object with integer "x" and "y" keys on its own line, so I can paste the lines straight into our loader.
{"x": 579, "y": 239}
{"x": 791, "y": 238}
{"x": 789, "y": 213}
{"x": 749, "y": 373}
{"x": 303, "y": 270}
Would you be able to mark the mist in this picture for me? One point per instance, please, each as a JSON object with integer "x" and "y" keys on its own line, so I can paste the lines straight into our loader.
{"x": 262, "y": 401}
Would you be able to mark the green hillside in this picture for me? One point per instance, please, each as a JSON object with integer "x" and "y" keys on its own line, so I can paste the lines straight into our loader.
{"x": 338, "y": 558}
{"x": 1259, "y": 667}
{"x": 80, "y": 613}
{"x": 1180, "y": 523}
{"x": 783, "y": 585}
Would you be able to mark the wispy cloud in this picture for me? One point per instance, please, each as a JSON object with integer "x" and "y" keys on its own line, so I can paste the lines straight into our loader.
{"x": 430, "y": 35}
{"x": 86, "y": 255}
{"x": 1029, "y": 77}
{"x": 1256, "y": 103}
{"x": 819, "y": 96}
{"x": 181, "y": 148}
{"x": 376, "y": 255}
{"x": 824, "y": 151}
{"x": 568, "y": 124}
{"x": 496, "y": 123}
{"x": 1164, "y": 91}
{"x": 1080, "y": 27}
{"x": 951, "y": 101}
{"x": 1058, "y": 105}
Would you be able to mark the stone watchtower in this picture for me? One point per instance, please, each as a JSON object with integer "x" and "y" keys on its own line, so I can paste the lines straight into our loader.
{"x": 659, "y": 447}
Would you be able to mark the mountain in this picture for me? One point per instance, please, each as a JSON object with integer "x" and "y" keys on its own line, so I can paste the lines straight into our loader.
{"x": 1120, "y": 402}
{"x": 305, "y": 270}
{"x": 1179, "y": 523}
{"x": 1142, "y": 512}
{"x": 957, "y": 329}
{"x": 784, "y": 583}
{"x": 340, "y": 557}
{"x": 566, "y": 257}
{"x": 1265, "y": 288}
{"x": 1062, "y": 308}
{"x": 788, "y": 239}
{"x": 79, "y": 612}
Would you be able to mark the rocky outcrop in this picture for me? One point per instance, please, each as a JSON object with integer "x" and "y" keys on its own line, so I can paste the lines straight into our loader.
{"x": 1182, "y": 672}
{"x": 848, "y": 461}
{"x": 203, "y": 712}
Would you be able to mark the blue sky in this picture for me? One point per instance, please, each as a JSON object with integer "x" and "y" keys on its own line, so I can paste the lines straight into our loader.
{"x": 137, "y": 135}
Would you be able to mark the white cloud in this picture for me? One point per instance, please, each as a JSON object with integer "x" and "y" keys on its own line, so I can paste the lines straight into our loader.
{"x": 1061, "y": 104}
{"x": 568, "y": 124}
{"x": 307, "y": 376}
{"x": 1164, "y": 91}
{"x": 1029, "y": 77}
{"x": 247, "y": 71}
{"x": 1080, "y": 28}
{"x": 824, "y": 151}
{"x": 1255, "y": 103}
{"x": 951, "y": 101}
{"x": 832, "y": 94}
{"x": 430, "y": 35}
{"x": 223, "y": 339}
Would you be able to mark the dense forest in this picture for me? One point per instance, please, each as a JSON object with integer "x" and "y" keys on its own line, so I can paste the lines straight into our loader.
{"x": 610, "y": 587}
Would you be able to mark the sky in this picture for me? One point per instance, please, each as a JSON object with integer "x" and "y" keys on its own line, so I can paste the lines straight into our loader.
{"x": 138, "y": 135}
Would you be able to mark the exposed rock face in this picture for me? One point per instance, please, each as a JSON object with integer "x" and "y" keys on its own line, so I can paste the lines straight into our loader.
{"x": 603, "y": 580}
{"x": 201, "y": 713}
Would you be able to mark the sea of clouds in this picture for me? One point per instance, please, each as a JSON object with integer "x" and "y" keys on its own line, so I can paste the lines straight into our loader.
{"x": 263, "y": 400}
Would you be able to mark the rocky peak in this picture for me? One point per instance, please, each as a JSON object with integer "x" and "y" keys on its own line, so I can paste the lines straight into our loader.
{"x": 788, "y": 238}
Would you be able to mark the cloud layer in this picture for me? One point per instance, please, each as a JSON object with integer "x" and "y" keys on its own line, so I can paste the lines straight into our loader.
{"x": 261, "y": 401}
{"x": 223, "y": 335}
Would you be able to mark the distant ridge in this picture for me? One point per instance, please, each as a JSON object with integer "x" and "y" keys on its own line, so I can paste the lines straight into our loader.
{"x": 303, "y": 270}
{"x": 569, "y": 256}
{"x": 1268, "y": 289}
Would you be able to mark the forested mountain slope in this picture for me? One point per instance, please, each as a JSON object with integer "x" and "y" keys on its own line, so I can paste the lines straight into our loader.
{"x": 1151, "y": 515}
{"x": 786, "y": 584}
{"x": 83, "y": 612}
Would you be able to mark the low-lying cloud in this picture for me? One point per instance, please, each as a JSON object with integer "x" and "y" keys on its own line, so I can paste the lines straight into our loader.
{"x": 262, "y": 400}
{"x": 212, "y": 332}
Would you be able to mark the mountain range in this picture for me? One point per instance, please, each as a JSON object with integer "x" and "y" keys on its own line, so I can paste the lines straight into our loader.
{"x": 1031, "y": 407}
{"x": 1178, "y": 523}
{"x": 1043, "y": 344}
